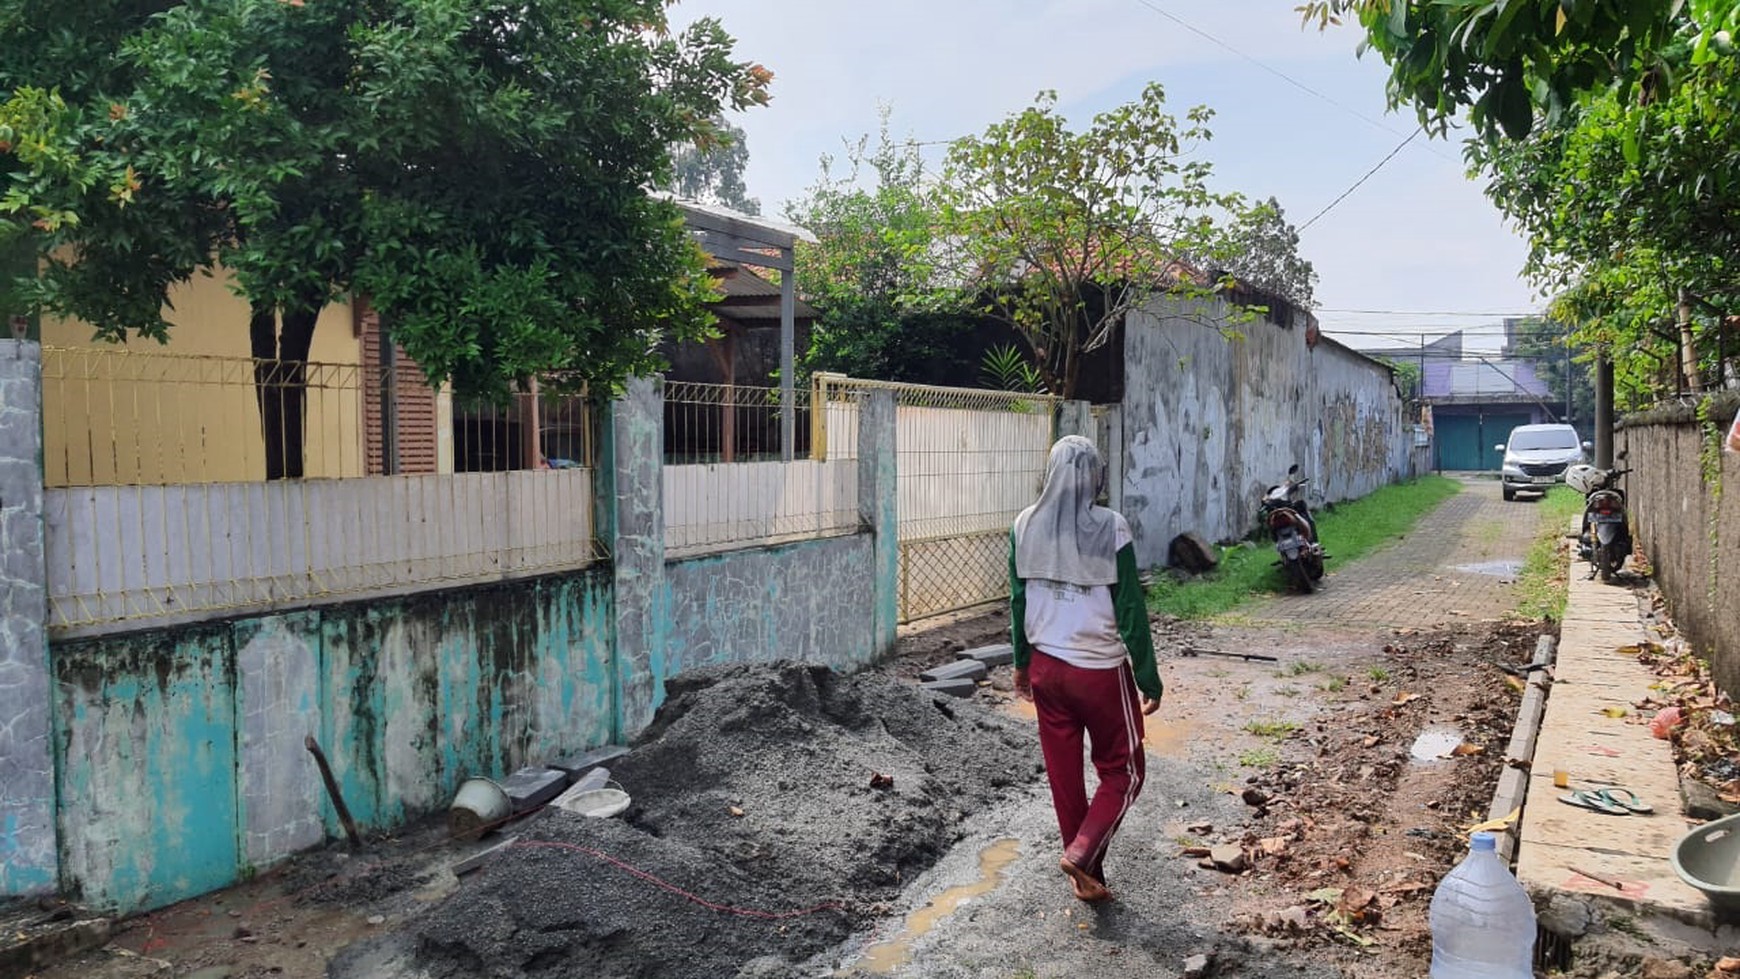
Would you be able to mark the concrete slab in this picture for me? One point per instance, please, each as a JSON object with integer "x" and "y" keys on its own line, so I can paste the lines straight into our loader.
{"x": 577, "y": 765}
{"x": 481, "y": 857}
{"x": 34, "y": 939}
{"x": 1599, "y": 750}
{"x": 597, "y": 778}
{"x": 960, "y": 669}
{"x": 1546, "y": 869}
{"x": 530, "y": 788}
{"x": 962, "y": 688}
{"x": 999, "y": 655}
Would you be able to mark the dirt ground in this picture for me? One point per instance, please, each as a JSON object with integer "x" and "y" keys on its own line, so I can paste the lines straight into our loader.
{"x": 759, "y": 846}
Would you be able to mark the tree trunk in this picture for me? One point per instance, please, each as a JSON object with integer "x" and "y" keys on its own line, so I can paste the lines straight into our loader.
{"x": 1688, "y": 346}
{"x": 281, "y": 383}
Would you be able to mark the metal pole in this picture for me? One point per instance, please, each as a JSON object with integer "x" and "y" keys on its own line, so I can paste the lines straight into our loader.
{"x": 1603, "y": 410}
{"x": 1568, "y": 413}
{"x": 389, "y": 403}
{"x": 787, "y": 358}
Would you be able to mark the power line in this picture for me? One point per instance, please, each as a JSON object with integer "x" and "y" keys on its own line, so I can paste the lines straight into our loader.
{"x": 1420, "y": 329}
{"x": 1356, "y": 184}
{"x": 1278, "y": 73}
{"x": 1511, "y": 314}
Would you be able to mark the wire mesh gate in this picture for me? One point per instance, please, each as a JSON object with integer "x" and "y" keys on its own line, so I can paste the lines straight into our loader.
{"x": 967, "y": 461}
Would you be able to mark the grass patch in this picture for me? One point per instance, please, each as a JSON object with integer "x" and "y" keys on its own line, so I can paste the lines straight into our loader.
{"x": 1288, "y": 691}
{"x": 1378, "y": 674}
{"x": 1544, "y": 581}
{"x": 1259, "y": 758}
{"x": 1299, "y": 667}
{"x": 1348, "y": 531}
{"x": 1271, "y": 729}
{"x": 1334, "y": 685}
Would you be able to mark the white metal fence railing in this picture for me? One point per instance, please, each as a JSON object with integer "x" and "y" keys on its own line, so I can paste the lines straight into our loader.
{"x": 968, "y": 461}
{"x": 144, "y": 555}
{"x": 725, "y": 485}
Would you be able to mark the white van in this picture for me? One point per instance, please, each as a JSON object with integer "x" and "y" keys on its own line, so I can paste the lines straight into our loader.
{"x": 1537, "y": 456}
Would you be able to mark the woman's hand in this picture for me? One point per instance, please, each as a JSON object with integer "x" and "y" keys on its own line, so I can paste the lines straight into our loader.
{"x": 1023, "y": 685}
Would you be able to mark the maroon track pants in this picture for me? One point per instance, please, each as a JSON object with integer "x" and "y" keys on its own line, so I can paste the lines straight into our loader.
{"x": 1070, "y": 700}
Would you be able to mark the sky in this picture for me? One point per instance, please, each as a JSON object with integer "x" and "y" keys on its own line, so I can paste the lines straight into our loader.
{"x": 1416, "y": 241}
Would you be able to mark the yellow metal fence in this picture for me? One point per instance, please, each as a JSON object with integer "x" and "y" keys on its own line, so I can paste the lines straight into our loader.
{"x": 159, "y": 506}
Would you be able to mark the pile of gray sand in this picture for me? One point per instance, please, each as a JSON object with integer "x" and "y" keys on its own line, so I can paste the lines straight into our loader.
{"x": 753, "y": 789}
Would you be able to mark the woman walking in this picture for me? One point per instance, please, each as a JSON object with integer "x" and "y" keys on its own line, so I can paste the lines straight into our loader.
{"x": 1083, "y": 653}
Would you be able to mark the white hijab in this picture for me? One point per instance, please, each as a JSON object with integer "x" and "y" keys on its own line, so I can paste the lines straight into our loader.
{"x": 1064, "y": 537}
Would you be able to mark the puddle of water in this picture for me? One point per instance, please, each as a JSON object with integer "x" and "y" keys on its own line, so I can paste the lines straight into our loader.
{"x": 1167, "y": 738}
{"x": 885, "y": 957}
{"x": 1508, "y": 570}
{"x": 1435, "y": 744}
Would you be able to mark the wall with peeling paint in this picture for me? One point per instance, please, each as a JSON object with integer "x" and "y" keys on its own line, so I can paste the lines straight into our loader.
{"x": 182, "y": 765}
{"x": 27, "y": 854}
{"x": 1215, "y": 411}
{"x": 801, "y": 601}
{"x": 180, "y": 760}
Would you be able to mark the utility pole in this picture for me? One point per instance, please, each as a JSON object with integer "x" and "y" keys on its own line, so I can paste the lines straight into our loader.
{"x": 1603, "y": 409}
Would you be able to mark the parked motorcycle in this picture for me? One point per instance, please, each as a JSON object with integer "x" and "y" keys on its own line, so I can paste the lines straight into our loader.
{"x": 1288, "y": 520}
{"x": 1605, "y": 540}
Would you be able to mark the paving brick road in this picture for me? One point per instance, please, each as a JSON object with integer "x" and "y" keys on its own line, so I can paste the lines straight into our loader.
{"x": 1459, "y": 564}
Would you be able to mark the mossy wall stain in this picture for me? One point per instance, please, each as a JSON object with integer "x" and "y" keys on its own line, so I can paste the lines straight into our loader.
{"x": 410, "y": 696}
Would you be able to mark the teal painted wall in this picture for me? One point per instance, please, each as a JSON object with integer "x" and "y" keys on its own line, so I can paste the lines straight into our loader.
{"x": 180, "y": 758}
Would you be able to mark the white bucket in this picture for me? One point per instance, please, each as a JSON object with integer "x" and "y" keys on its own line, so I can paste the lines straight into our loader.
{"x": 479, "y": 807}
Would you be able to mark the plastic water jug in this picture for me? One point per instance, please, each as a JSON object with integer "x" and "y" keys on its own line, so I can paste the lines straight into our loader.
{"x": 1483, "y": 924}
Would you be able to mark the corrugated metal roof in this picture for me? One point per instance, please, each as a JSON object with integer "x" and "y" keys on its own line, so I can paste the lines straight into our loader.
{"x": 1465, "y": 379}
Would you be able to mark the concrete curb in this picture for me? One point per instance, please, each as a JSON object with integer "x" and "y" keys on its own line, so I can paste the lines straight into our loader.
{"x": 1513, "y": 782}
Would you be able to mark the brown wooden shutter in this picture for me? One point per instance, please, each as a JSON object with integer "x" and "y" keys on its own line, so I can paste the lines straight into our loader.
{"x": 416, "y": 401}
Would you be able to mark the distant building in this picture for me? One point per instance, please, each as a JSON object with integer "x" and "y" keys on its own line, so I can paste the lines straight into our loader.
{"x": 1475, "y": 403}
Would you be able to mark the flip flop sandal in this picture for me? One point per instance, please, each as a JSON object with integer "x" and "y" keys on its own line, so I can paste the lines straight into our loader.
{"x": 1595, "y": 802}
{"x": 1625, "y": 799}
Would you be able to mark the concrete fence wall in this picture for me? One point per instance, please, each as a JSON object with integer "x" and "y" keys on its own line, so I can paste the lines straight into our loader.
{"x": 141, "y": 767}
{"x": 1214, "y": 411}
{"x": 1684, "y": 498}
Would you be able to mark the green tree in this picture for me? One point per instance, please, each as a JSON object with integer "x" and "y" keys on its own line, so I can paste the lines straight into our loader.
{"x": 475, "y": 167}
{"x": 710, "y": 169}
{"x": 886, "y": 310}
{"x": 1264, "y": 252}
{"x": 1064, "y": 233}
{"x": 1502, "y": 59}
{"x": 1625, "y": 205}
{"x": 1561, "y": 363}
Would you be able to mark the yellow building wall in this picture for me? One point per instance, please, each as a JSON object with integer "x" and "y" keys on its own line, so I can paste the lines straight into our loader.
{"x": 185, "y": 411}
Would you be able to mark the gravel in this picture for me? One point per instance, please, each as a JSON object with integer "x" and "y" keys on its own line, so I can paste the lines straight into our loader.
{"x": 752, "y": 792}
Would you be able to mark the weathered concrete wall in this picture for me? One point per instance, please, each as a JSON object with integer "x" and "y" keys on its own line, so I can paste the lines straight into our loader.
{"x": 27, "y": 855}
{"x": 182, "y": 764}
{"x": 1685, "y": 503}
{"x": 181, "y": 761}
{"x": 803, "y": 601}
{"x": 632, "y": 461}
{"x": 1208, "y": 421}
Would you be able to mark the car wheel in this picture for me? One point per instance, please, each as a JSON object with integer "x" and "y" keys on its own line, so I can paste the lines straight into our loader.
{"x": 1509, "y": 494}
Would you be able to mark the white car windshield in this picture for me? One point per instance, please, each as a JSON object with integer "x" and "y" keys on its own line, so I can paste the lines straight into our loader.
{"x": 1529, "y": 441}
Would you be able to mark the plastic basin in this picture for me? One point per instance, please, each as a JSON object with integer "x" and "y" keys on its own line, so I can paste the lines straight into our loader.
{"x": 1708, "y": 858}
{"x": 595, "y": 803}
